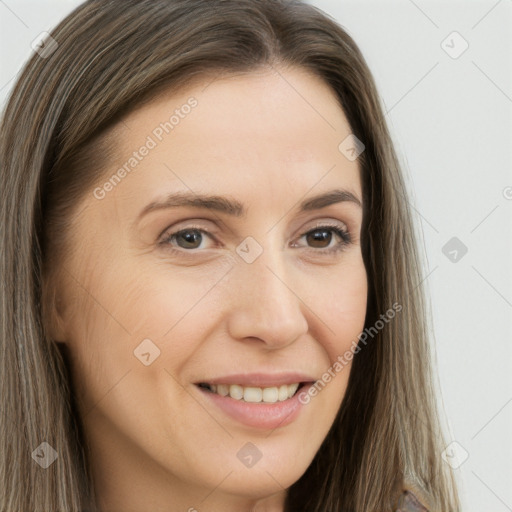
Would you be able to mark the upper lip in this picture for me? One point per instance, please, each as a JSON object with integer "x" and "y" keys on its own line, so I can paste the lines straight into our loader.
{"x": 260, "y": 379}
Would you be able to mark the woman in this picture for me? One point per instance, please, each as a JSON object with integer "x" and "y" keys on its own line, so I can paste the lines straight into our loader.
{"x": 211, "y": 291}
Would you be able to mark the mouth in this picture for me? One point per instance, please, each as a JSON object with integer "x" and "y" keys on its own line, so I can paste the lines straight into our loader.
{"x": 254, "y": 394}
{"x": 257, "y": 400}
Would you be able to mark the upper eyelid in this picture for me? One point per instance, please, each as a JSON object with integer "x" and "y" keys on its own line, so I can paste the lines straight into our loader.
{"x": 191, "y": 224}
{"x": 319, "y": 223}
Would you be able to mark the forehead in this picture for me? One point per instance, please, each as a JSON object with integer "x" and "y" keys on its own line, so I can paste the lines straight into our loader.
{"x": 278, "y": 128}
{"x": 289, "y": 100}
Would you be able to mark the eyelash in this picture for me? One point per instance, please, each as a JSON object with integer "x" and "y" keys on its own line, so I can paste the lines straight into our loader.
{"x": 342, "y": 233}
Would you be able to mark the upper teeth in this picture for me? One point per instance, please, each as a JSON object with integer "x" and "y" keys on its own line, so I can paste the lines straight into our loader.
{"x": 253, "y": 394}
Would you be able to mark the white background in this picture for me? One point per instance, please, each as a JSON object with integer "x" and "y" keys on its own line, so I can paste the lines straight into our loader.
{"x": 452, "y": 125}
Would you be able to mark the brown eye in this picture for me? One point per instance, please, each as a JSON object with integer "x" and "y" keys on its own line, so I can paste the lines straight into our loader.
{"x": 323, "y": 236}
{"x": 319, "y": 238}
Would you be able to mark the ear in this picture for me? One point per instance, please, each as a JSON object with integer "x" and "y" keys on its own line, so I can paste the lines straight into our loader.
{"x": 53, "y": 317}
{"x": 57, "y": 325}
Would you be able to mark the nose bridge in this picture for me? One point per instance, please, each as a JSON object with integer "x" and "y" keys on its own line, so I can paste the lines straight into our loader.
{"x": 266, "y": 304}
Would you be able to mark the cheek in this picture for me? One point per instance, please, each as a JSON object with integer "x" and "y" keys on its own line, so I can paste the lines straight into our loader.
{"x": 346, "y": 314}
{"x": 125, "y": 318}
{"x": 341, "y": 304}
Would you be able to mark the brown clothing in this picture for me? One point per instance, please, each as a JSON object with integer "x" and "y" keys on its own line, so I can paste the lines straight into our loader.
{"x": 409, "y": 503}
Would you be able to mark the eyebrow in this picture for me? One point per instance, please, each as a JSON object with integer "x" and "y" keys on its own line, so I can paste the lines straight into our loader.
{"x": 234, "y": 208}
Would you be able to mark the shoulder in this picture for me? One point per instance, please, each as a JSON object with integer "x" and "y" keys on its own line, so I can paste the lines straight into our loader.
{"x": 408, "y": 502}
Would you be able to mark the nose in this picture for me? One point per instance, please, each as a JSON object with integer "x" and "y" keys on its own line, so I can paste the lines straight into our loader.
{"x": 265, "y": 302}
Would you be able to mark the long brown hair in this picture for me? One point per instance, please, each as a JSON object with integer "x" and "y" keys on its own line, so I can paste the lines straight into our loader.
{"x": 113, "y": 56}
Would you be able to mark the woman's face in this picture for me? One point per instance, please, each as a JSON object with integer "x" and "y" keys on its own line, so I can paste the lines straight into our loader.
{"x": 213, "y": 259}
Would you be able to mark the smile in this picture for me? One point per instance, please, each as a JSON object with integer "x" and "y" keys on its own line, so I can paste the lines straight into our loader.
{"x": 275, "y": 405}
{"x": 254, "y": 394}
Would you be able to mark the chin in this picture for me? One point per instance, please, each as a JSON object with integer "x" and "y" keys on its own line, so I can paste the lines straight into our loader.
{"x": 260, "y": 467}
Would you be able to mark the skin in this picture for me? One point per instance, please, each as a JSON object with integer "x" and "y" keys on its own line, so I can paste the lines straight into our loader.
{"x": 269, "y": 140}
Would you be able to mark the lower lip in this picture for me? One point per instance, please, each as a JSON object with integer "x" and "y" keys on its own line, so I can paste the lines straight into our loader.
{"x": 259, "y": 415}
